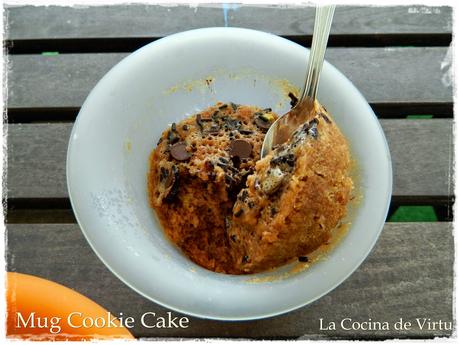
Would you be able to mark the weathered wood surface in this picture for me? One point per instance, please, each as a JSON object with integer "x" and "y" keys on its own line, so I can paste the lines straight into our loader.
{"x": 421, "y": 152}
{"x": 409, "y": 275}
{"x": 383, "y": 75}
{"x": 30, "y": 22}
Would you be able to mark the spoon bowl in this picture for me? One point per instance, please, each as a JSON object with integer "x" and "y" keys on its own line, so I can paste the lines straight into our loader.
{"x": 283, "y": 127}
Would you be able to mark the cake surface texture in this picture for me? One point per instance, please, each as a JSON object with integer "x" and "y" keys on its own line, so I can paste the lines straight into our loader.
{"x": 230, "y": 211}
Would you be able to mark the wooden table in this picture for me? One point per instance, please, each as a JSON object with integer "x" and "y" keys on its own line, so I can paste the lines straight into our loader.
{"x": 396, "y": 56}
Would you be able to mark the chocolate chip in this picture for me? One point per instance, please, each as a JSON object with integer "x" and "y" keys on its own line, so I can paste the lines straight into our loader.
{"x": 179, "y": 152}
{"x": 199, "y": 121}
{"x": 232, "y": 124}
{"x": 303, "y": 259}
{"x": 251, "y": 204}
{"x": 293, "y": 99}
{"x": 245, "y": 258}
{"x": 267, "y": 110}
{"x": 325, "y": 117}
{"x": 312, "y": 130}
{"x": 174, "y": 183}
{"x": 223, "y": 160}
{"x": 233, "y": 238}
{"x": 215, "y": 116}
{"x": 240, "y": 148}
{"x": 185, "y": 127}
{"x": 273, "y": 211}
{"x": 163, "y": 175}
{"x": 224, "y": 106}
{"x": 236, "y": 161}
{"x": 234, "y": 106}
{"x": 245, "y": 131}
{"x": 288, "y": 159}
{"x": 173, "y": 136}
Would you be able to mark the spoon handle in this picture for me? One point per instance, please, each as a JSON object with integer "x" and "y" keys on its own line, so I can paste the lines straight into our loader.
{"x": 322, "y": 25}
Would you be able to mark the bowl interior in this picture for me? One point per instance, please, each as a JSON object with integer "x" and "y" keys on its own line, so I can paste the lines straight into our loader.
{"x": 165, "y": 81}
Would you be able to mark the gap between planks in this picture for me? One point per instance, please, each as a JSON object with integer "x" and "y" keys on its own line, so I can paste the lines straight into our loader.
{"x": 440, "y": 110}
{"x": 127, "y": 45}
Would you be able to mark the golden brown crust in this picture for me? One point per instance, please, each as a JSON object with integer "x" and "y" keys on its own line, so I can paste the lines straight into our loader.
{"x": 299, "y": 216}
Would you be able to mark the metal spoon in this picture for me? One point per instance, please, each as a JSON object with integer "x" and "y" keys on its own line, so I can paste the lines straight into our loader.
{"x": 281, "y": 130}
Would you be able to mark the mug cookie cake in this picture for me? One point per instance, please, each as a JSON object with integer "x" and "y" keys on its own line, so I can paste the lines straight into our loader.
{"x": 230, "y": 211}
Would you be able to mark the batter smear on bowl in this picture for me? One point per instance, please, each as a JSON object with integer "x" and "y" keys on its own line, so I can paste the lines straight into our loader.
{"x": 233, "y": 213}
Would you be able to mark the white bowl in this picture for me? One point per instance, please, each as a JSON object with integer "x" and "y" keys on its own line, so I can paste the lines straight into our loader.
{"x": 120, "y": 123}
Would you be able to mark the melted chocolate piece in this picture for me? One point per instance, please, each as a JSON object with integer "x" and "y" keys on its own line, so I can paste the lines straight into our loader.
{"x": 232, "y": 124}
{"x": 325, "y": 117}
{"x": 174, "y": 183}
{"x": 245, "y": 131}
{"x": 163, "y": 175}
{"x": 199, "y": 121}
{"x": 215, "y": 116}
{"x": 236, "y": 162}
{"x": 173, "y": 136}
{"x": 178, "y": 151}
{"x": 240, "y": 148}
{"x": 293, "y": 99}
{"x": 288, "y": 159}
{"x": 312, "y": 130}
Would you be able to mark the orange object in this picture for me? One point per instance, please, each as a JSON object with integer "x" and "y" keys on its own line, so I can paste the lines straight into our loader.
{"x": 39, "y": 309}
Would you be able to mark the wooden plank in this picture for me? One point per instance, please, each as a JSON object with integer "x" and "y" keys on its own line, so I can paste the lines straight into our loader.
{"x": 384, "y": 76}
{"x": 36, "y": 160}
{"x": 409, "y": 275}
{"x": 54, "y": 22}
{"x": 421, "y": 154}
